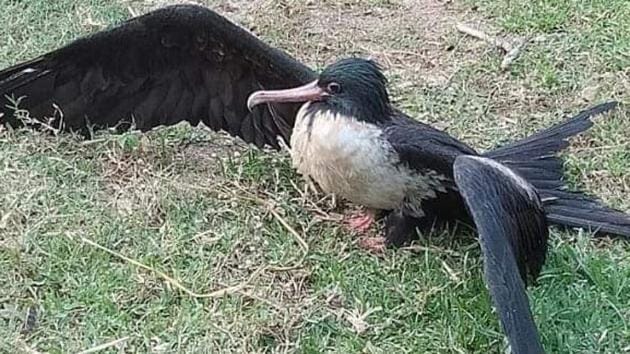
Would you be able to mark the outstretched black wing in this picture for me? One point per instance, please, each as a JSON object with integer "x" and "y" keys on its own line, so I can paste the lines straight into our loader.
{"x": 178, "y": 63}
{"x": 513, "y": 235}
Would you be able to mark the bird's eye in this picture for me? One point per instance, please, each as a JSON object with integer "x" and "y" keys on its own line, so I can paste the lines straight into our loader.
{"x": 334, "y": 87}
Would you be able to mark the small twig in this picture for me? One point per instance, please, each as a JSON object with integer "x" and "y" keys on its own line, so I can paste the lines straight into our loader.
{"x": 450, "y": 272}
{"x": 313, "y": 205}
{"x": 218, "y": 293}
{"x": 132, "y": 11}
{"x": 300, "y": 240}
{"x": 599, "y": 148}
{"x": 253, "y": 296}
{"x": 498, "y": 42}
{"x": 512, "y": 50}
{"x": 104, "y": 346}
{"x": 432, "y": 249}
{"x": 301, "y": 192}
{"x": 249, "y": 196}
{"x": 291, "y": 230}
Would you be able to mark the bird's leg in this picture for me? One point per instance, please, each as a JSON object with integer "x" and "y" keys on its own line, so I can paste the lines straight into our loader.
{"x": 374, "y": 244}
{"x": 399, "y": 230}
{"x": 360, "y": 221}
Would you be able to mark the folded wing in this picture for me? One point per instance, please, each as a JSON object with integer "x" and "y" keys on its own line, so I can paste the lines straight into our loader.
{"x": 179, "y": 63}
{"x": 513, "y": 235}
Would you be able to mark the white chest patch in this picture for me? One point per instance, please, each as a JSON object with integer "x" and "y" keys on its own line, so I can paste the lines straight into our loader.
{"x": 352, "y": 159}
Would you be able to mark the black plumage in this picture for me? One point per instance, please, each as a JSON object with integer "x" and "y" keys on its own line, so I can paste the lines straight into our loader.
{"x": 180, "y": 63}
{"x": 513, "y": 235}
{"x": 187, "y": 63}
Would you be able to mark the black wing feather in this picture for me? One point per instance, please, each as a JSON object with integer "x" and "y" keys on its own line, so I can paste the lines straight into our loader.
{"x": 178, "y": 63}
{"x": 513, "y": 235}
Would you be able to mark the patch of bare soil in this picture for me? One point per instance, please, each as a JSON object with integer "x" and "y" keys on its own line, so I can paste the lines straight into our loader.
{"x": 413, "y": 39}
{"x": 409, "y": 38}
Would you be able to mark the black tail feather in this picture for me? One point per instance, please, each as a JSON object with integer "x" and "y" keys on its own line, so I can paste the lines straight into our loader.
{"x": 550, "y": 141}
{"x": 577, "y": 210}
{"x": 535, "y": 158}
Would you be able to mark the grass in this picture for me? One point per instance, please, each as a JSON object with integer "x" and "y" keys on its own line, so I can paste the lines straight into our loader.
{"x": 179, "y": 199}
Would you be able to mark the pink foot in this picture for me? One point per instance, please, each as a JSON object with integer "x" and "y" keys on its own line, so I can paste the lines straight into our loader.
{"x": 375, "y": 245}
{"x": 360, "y": 221}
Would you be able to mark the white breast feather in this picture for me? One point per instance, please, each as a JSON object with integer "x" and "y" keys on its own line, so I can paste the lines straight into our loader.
{"x": 352, "y": 159}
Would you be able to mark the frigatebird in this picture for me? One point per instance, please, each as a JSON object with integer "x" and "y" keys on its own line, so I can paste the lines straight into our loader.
{"x": 188, "y": 63}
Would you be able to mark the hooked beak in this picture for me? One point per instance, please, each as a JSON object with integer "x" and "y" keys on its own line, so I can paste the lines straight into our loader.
{"x": 306, "y": 93}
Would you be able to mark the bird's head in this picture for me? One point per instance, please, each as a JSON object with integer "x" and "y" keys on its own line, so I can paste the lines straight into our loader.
{"x": 353, "y": 87}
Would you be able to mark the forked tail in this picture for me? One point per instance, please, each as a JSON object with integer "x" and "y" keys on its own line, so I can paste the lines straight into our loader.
{"x": 535, "y": 158}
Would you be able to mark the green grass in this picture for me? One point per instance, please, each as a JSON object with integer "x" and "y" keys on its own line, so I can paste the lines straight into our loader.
{"x": 179, "y": 199}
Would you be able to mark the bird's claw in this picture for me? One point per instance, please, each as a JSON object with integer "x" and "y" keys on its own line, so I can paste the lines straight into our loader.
{"x": 374, "y": 245}
{"x": 359, "y": 222}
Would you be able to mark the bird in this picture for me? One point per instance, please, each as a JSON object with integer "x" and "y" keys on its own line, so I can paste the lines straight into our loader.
{"x": 349, "y": 138}
{"x": 189, "y": 63}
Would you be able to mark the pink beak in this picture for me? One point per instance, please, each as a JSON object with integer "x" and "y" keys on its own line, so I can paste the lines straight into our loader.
{"x": 306, "y": 93}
